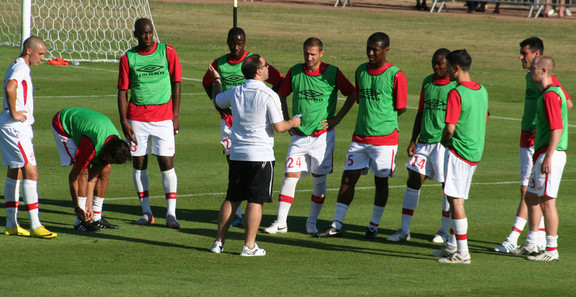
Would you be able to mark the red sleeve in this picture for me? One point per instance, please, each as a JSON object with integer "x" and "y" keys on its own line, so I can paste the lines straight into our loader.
{"x": 343, "y": 84}
{"x": 208, "y": 80}
{"x": 274, "y": 76}
{"x": 400, "y": 92}
{"x": 286, "y": 87}
{"x": 174, "y": 66}
{"x": 553, "y": 110}
{"x": 85, "y": 153}
{"x": 453, "y": 107}
{"x": 124, "y": 74}
{"x": 421, "y": 102}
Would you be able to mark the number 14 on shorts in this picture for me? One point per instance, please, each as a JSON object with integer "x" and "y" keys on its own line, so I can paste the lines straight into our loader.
{"x": 415, "y": 163}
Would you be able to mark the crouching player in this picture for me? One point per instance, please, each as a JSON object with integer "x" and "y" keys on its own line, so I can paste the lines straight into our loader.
{"x": 89, "y": 141}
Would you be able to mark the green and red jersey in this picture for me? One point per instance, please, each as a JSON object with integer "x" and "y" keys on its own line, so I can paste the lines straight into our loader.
{"x": 467, "y": 109}
{"x": 381, "y": 93}
{"x": 552, "y": 115}
{"x": 315, "y": 94}
{"x": 433, "y": 98}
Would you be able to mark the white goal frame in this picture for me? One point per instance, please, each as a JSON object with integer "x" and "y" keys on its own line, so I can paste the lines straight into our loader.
{"x": 86, "y": 30}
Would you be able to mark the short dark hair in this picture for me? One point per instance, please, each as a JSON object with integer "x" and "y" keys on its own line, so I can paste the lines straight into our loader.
{"x": 118, "y": 150}
{"x": 460, "y": 58}
{"x": 535, "y": 44}
{"x": 313, "y": 41}
{"x": 140, "y": 22}
{"x": 236, "y": 31}
{"x": 380, "y": 37}
{"x": 250, "y": 66}
{"x": 441, "y": 52}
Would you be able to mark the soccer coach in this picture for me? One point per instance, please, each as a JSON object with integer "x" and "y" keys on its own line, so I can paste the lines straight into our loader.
{"x": 257, "y": 113}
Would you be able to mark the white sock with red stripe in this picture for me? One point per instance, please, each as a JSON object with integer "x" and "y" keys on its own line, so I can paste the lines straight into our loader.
{"x": 170, "y": 183}
{"x": 30, "y": 197}
{"x": 445, "y": 224}
{"x": 317, "y": 199}
{"x": 11, "y": 198}
{"x": 339, "y": 216}
{"x": 409, "y": 204}
{"x": 377, "y": 212}
{"x": 552, "y": 243}
{"x": 97, "y": 205}
{"x": 460, "y": 230}
{"x": 542, "y": 233}
{"x": 285, "y": 199}
{"x": 141, "y": 183}
{"x": 82, "y": 205}
{"x": 517, "y": 228}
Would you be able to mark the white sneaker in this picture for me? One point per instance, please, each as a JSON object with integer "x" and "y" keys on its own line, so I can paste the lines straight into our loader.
{"x": 506, "y": 247}
{"x": 525, "y": 250}
{"x": 456, "y": 258}
{"x": 445, "y": 251}
{"x": 440, "y": 237}
{"x": 256, "y": 251}
{"x": 276, "y": 228}
{"x": 310, "y": 228}
{"x": 544, "y": 256}
{"x": 217, "y": 247}
{"x": 567, "y": 12}
{"x": 399, "y": 236}
{"x": 551, "y": 12}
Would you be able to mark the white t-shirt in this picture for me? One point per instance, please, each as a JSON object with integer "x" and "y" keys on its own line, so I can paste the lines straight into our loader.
{"x": 20, "y": 72}
{"x": 255, "y": 107}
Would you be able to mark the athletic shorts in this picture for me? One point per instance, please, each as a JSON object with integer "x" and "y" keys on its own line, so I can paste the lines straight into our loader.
{"x": 159, "y": 134}
{"x": 547, "y": 184}
{"x": 16, "y": 148}
{"x": 225, "y": 137}
{"x": 310, "y": 154}
{"x": 458, "y": 176}
{"x": 428, "y": 160}
{"x": 250, "y": 181}
{"x": 526, "y": 162}
{"x": 66, "y": 148}
{"x": 380, "y": 159}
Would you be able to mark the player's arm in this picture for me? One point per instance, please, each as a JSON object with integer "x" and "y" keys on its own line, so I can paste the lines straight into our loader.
{"x": 453, "y": 108}
{"x": 552, "y": 145}
{"x": 11, "y": 96}
{"x": 347, "y": 89}
{"x": 447, "y": 133}
{"x": 78, "y": 184}
{"x": 175, "y": 70}
{"x": 275, "y": 78}
{"x": 176, "y": 91}
{"x": 123, "y": 86}
{"x": 284, "y": 126}
{"x": 415, "y": 133}
{"x": 400, "y": 92}
{"x": 553, "y": 111}
{"x": 569, "y": 104}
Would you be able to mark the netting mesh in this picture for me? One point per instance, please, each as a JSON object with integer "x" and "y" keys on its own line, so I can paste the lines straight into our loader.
{"x": 87, "y": 30}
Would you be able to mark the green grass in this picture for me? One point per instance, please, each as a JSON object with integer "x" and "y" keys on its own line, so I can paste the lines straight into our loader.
{"x": 156, "y": 261}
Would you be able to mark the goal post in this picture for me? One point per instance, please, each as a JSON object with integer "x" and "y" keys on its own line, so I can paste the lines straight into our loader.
{"x": 87, "y": 30}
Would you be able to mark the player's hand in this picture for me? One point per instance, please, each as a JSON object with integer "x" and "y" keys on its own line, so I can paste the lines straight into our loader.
{"x": 213, "y": 71}
{"x": 296, "y": 121}
{"x": 89, "y": 213}
{"x": 329, "y": 123}
{"x": 80, "y": 214}
{"x": 546, "y": 164}
{"x": 128, "y": 132}
{"x": 176, "y": 123}
{"x": 411, "y": 149}
{"x": 20, "y": 115}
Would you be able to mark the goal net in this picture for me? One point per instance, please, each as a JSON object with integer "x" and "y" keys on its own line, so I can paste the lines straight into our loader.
{"x": 87, "y": 30}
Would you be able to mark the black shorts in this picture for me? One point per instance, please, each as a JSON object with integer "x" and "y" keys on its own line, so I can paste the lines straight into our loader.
{"x": 250, "y": 181}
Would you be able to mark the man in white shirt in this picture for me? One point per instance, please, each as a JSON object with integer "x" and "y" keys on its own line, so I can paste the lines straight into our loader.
{"x": 257, "y": 113}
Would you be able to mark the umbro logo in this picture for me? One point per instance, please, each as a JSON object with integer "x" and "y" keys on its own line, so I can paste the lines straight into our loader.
{"x": 150, "y": 68}
{"x": 310, "y": 93}
{"x": 434, "y": 104}
{"x": 370, "y": 94}
{"x": 234, "y": 79}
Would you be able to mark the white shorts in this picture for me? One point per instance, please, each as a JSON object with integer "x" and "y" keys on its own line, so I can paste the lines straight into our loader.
{"x": 380, "y": 159}
{"x": 428, "y": 160}
{"x": 458, "y": 176}
{"x": 547, "y": 184}
{"x": 526, "y": 155}
{"x": 66, "y": 148}
{"x": 310, "y": 154}
{"x": 16, "y": 146}
{"x": 225, "y": 137}
{"x": 160, "y": 135}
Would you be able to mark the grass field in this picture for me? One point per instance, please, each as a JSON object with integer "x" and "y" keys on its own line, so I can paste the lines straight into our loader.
{"x": 157, "y": 261}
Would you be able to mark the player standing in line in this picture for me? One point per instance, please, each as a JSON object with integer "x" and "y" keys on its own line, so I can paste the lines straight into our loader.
{"x": 89, "y": 141}
{"x": 463, "y": 137}
{"x": 16, "y": 148}
{"x": 315, "y": 85}
{"x": 381, "y": 91}
{"x": 427, "y": 155}
{"x": 529, "y": 49}
{"x": 257, "y": 113}
{"x": 550, "y": 146}
{"x": 229, "y": 66}
{"x": 152, "y": 71}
